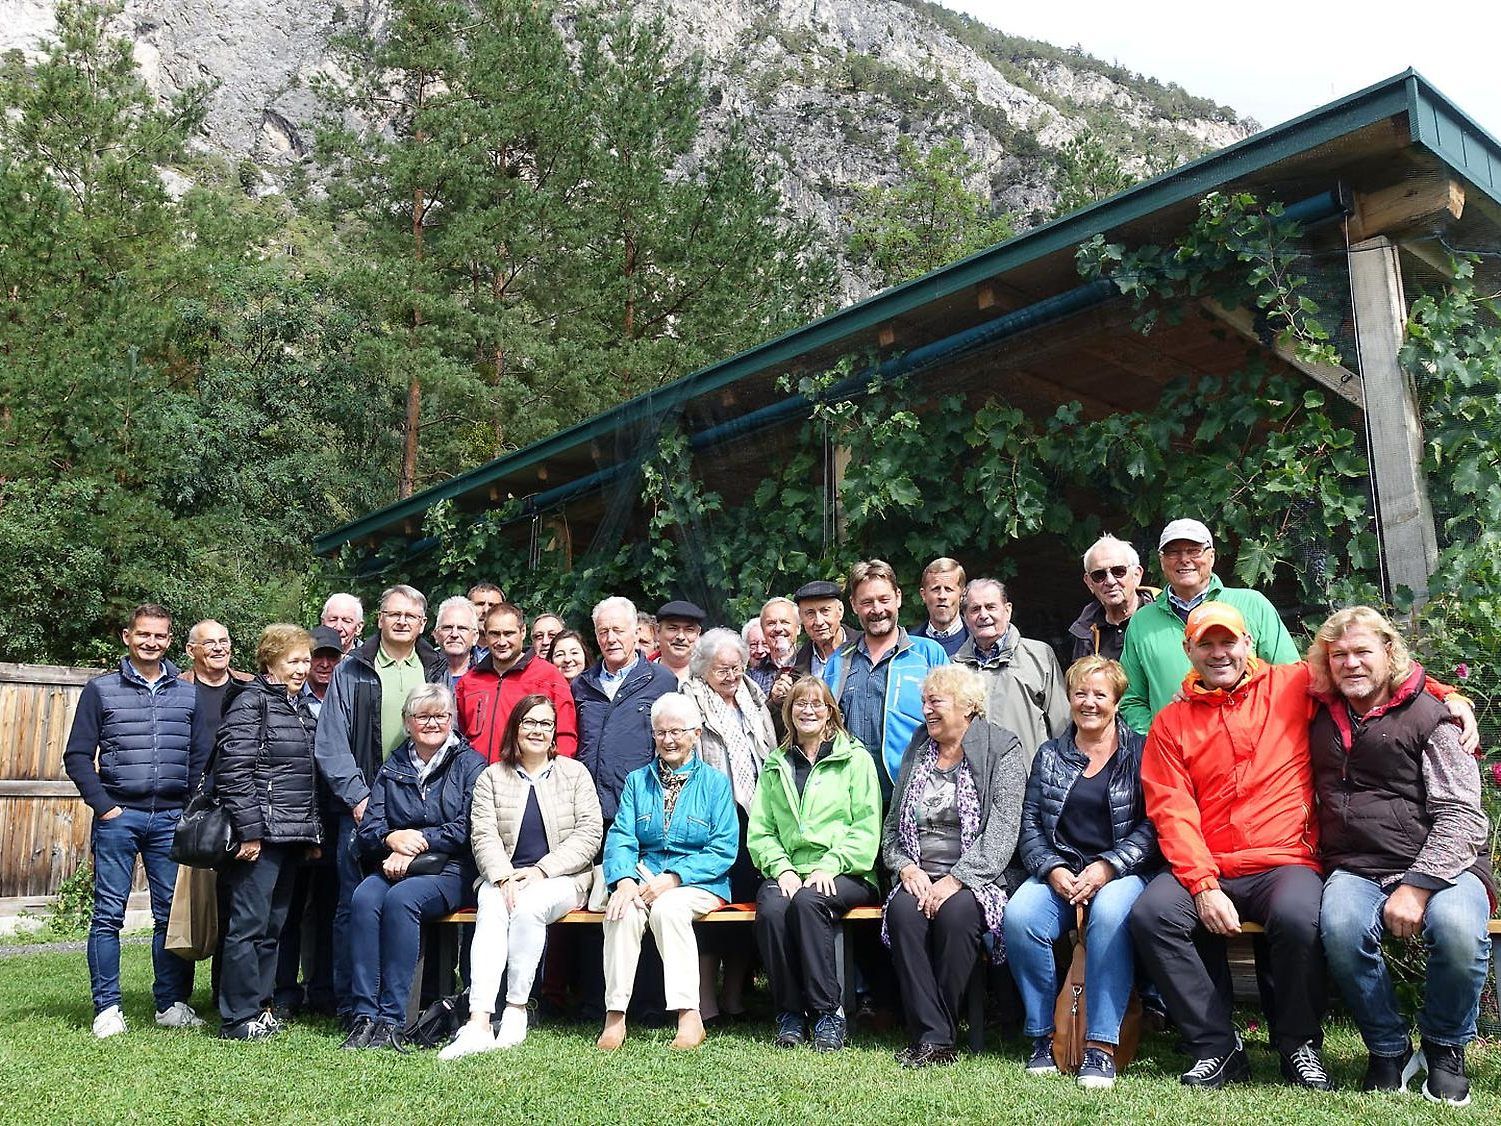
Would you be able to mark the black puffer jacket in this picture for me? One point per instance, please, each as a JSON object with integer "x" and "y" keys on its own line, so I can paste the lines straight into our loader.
{"x": 1058, "y": 765}
{"x": 264, "y": 770}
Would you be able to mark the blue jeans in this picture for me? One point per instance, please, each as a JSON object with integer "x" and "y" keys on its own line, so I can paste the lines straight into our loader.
{"x": 115, "y": 844}
{"x": 386, "y": 923}
{"x": 1036, "y": 917}
{"x": 1454, "y": 934}
{"x": 347, "y": 865}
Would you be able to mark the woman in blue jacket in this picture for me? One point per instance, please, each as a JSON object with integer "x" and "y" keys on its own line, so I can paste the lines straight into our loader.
{"x": 1085, "y": 841}
{"x": 668, "y": 856}
{"x": 415, "y": 833}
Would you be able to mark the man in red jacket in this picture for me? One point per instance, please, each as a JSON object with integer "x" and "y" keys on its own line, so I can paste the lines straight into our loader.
{"x": 1229, "y": 786}
{"x": 487, "y": 693}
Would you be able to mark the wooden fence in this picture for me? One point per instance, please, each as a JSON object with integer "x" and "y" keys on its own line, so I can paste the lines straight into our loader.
{"x": 44, "y": 825}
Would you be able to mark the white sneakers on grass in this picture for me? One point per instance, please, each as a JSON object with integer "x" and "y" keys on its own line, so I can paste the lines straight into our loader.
{"x": 111, "y": 1022}
{"x": 471, "y": 1040}
{"x": 179, "y": 1015}
{"x": 512, "y": 1028}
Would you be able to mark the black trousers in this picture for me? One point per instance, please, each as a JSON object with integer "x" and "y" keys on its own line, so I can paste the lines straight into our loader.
{"x": 305, "y": 953}
{"x": 796, "y": 939}
{"x": 1188, "y": 963}
{"x": 260, "y": 892}
{"x": 934, "y": 959}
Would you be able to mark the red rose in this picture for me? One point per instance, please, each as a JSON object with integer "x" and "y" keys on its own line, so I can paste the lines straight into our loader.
{"x": 1462, "y": 670}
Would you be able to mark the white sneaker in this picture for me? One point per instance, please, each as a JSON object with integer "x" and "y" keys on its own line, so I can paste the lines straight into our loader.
{"x": 179, "y": 1014}
{"x": 471, "y": 1040}
{"x": 512, "y": 1028}
{"x": 111, "y": 1022}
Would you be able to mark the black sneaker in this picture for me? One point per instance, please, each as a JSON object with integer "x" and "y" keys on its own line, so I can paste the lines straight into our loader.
{"x": 359, "y": 1034}
{"x": 1447, "y": 1081}
{"x": 390, "y": 1037}
{"x": 1040, "y": 1062}
{"x": 1213, "y": 1072}
{"x": 791, "y": 1031}
{"x": 256, "y": 1028}
{"x": 1304, "y": 1067}
{"x": 926, "y": 1055}
{"x": 1097, "y": 1070}
{"x": 1391, "y": 1073}
{"x": 829, "y": 1033}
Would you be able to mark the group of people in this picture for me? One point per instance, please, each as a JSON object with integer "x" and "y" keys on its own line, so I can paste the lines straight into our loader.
{"x": 1187, "y": 774}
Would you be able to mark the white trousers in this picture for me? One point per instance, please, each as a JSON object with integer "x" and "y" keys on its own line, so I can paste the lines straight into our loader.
{"x": 503, "y": 937}
{"x": 671, "y": 920}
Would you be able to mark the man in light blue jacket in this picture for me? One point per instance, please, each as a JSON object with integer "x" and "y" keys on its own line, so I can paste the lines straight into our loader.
{"x": 877, "y": 678}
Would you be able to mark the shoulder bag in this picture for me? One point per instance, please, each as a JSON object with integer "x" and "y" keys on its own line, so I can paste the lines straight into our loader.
{"x": 1070, "y": 1013}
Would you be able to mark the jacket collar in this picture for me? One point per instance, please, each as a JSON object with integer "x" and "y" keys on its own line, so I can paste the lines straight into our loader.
{"x": 428, "y": 655}
{"x": 488, "y": 663}
{"x": 128, "y": 673}
{"x": 1193, "y": 685}
{"x": 839, "y": 751}
{"x": 1092, "y": 617}
{"x": 1405, "y": 693}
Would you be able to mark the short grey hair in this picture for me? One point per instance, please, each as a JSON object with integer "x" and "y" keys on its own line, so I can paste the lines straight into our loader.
{"x": 778, "y": 601}
{"x": 974, "y": 585}
{"x": 427, "y": 694}
{"x": 684, "y": 707}
{"x": 613, "y": 605}
{"x": 458, "y": 602}
{"x": 707, "y": 647}
{"x": 745, "y": 629}
{"x": 408, "y": 592}
{"x": 359, "y": 607}
{"x": 1107, "y": 540}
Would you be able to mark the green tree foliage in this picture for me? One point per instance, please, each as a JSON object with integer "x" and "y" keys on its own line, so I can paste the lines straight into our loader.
{"x": 928, "y": 219}
{"x": 1088, "y": 170}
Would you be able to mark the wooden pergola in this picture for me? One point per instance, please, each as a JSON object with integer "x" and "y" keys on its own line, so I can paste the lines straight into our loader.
{"x": 1382, "y": 180}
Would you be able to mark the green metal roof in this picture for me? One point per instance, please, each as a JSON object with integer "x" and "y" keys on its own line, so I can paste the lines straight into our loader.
{"x": 1434, "y": 122}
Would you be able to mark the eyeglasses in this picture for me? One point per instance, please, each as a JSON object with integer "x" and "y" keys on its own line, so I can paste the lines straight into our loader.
{"x": 537, "y": 725}
{"x": 1195, "y": 552}
{"x": 401, "y": 616}
{"x": 723, "y": 671}
{"x": 429, "y": 719}
{"x": 810, "y": 706}
{"x": 451, "y": 628}
{"x": 1117, "y": 572}
{"x": 213, "y": 646}
{"x": 673, "y": 733}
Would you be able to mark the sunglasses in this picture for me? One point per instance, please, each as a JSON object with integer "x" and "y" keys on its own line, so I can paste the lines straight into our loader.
{"x": 1117, "y": 572}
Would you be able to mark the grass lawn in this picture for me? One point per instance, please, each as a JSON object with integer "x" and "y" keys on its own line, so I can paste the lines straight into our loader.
{"x": 52, "y": 1070}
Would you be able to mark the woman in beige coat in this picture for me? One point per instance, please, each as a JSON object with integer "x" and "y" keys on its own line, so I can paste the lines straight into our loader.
{"x": 535, "y": 828}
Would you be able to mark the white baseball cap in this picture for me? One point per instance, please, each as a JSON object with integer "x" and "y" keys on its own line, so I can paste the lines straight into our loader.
{"x": 1191, "y": 530}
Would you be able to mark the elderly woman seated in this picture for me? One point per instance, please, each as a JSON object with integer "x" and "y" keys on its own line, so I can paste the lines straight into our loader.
{"x": 950, "y": 837}
{"x": 535, "y": 827}
{"x": 736, "y": 738}
{"x": 814, "y": 830}
{"x": 1086, "y": 842}
{"x": 416, "y": 832}
{"x": 667, "y": 860}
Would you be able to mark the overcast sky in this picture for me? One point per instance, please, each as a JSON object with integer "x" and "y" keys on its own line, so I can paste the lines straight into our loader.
{"x": 1276, "y": 61}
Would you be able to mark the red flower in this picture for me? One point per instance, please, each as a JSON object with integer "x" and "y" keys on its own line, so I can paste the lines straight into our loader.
{"x": 1496, "y": 772}
{"x": 1462, "y": 670}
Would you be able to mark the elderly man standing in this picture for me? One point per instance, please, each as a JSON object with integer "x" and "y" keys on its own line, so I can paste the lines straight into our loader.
{"x": 877, "y": 679}
{"x": 679, "y": 626}
{"x": 613, "y": 698}
{"x": 456, "y": 634}
{"x": 129, "y": 753}
{"x": 1404, "y": 839}
{"x": 779, "y": 626}
{"x": 1112, "y": 573}
{"x": 820, "y": 609}
{"x": 1024, "y": 689}
{"x": 941, "y": 590}
{"x": 210, "y": 650}
{"x": 1153, "y": 656}
{"x": 345, "y": 613}
{"x": 359, "y": 725}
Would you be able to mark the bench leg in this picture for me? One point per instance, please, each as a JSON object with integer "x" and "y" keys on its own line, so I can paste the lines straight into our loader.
{"x": 844, "y": 958}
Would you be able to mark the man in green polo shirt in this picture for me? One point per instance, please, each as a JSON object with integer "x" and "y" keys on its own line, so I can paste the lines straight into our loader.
{"x": 1154, "y": 658}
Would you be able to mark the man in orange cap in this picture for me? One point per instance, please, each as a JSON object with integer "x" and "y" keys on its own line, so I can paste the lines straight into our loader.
{"x": 1228, "y": 783}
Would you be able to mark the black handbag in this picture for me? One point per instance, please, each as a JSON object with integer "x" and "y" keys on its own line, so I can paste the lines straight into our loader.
{"x": 205, "y": 836}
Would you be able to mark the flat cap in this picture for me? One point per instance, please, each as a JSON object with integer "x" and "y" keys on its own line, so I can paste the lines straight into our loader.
{"x": 818, "y": 588}
{"x": 680, "y": 609}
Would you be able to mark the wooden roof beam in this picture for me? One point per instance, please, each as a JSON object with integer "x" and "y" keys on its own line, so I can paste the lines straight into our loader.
{"x": 1418, "y": 202}
{"x": 1341, "y": 380}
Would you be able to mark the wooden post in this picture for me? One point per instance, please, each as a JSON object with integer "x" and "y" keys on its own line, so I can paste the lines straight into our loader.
{"x": 1404, "y": 517}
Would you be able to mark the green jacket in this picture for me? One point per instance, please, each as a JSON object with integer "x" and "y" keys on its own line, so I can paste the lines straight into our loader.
{"x": 1154, "y": 659}
{"x": 834, "y": 827}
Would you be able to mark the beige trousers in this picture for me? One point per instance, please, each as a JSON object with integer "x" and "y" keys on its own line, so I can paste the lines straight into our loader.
{"x": 671, "y": 921}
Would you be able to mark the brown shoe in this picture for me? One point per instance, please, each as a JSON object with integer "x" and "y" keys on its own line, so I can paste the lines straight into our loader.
{"x": 614, "y": 1034}
{"x": 690, "y": 1031}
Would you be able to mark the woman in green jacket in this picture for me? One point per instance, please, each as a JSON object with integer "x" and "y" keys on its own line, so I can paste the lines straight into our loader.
{"x": 815, "y": 827}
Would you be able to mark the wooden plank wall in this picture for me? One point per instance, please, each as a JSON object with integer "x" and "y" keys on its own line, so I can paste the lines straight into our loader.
{"x": 44, "y": 825}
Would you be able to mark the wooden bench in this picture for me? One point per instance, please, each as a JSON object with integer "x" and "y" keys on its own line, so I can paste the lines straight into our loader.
{"x": 844, "y": 954}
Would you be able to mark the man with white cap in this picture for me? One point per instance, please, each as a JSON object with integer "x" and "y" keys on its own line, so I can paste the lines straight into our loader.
{"x": 1153, "y": 657}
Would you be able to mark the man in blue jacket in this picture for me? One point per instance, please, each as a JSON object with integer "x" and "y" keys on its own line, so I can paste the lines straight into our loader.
{"x": 878, "y": 677}
{"x": 129, "y": 754}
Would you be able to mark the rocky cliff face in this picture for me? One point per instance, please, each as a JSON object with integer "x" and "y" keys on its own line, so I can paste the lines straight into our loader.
{"x": 822, "y": 88}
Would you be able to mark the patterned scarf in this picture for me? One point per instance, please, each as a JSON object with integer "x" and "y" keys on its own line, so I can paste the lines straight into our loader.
{"x": 990, "y": 897}
{"x": 745, "y": 747}
{"x": 672, "y": 789}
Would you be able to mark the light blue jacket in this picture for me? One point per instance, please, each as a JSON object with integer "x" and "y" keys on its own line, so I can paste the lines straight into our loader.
{"x": 901, "y": 714}
{"x": 700, "y": 845}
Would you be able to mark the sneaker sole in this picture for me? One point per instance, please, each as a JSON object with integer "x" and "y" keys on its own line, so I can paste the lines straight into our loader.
{"x": 1049, "y": 1070}
{"x": 1096, "y": 1082}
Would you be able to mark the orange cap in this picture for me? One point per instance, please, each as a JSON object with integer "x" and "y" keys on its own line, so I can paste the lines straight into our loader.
{"x": 1206, "y": 615}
